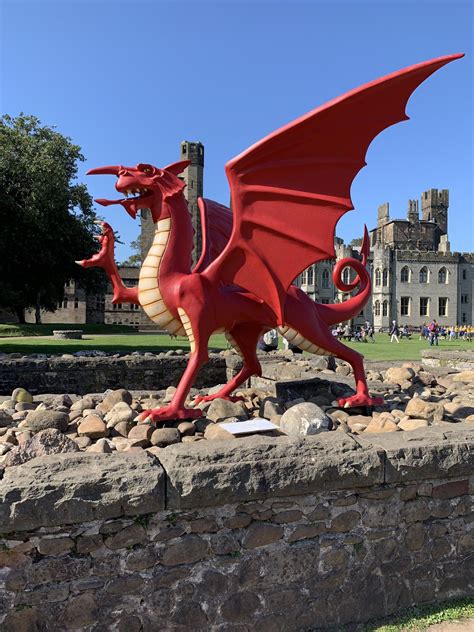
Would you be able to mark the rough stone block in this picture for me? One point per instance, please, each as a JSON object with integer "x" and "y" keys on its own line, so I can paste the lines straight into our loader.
{"x": 262, "y": 467}
{"x": 77, "y": 487}
{"x": 425, "y": 453}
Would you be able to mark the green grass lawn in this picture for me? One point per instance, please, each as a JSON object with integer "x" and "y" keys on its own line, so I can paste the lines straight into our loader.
{"x": 422, "y": 617}
{"x": 29, "y": 329}
{"x": 94, "y": 338}
{"x": 110, "y": 343}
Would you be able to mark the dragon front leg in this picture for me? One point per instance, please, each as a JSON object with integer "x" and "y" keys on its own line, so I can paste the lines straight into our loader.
{"x": 198, "y": 356}
{"x": 105, "y": 259}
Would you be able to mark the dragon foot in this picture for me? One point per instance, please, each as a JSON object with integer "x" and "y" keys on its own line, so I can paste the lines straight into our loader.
{"x": 360, "y": 399}
{"x": 169, "y": 413}
{"x": 211, "y": 398}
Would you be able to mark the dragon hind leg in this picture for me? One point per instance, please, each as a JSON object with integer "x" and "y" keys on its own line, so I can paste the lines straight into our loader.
{"x": 307, "y": 330}
{"x": 244, "y": 339}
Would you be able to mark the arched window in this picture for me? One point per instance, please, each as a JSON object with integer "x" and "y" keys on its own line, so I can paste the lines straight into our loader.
{"x": 311, "y": 276}
{"x": 304, "y": 277}
{"x": 405, "y": 274}
{"x": 424, "y": 275}
{"x": 385, "y": 308}
{"x": 385, "y": 277}
{"x": 377, "y": 308}
{"x": 442, "y": 275}
{"x": 378, "y": 277}
{"x": 325, "y": 279}
{"x": 346, "y": 276}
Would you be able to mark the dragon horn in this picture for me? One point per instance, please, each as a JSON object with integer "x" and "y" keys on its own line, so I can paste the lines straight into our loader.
{"x": 99, "y": 171}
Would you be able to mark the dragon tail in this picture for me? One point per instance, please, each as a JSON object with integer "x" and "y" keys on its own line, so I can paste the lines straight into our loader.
{"x": 339, "y": 312}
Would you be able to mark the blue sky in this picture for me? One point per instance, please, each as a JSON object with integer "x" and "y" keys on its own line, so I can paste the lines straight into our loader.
{"x": 127, "y": 81}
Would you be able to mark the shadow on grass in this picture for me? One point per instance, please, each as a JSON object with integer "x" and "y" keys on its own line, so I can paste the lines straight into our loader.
{"x": 423, "y": 616}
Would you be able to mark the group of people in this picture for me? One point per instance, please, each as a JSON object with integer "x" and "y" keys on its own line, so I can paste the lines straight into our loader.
{"x": 360, "y": 333}
{"x": 431, "y": 332}
{"x": 450, "y": 332}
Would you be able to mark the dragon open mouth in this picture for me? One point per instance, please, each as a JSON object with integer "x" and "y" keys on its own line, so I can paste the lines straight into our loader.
{"x": 136, "y": 193}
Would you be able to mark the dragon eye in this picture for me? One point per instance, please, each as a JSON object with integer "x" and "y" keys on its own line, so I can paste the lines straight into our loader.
{"x": 148, "y": 169}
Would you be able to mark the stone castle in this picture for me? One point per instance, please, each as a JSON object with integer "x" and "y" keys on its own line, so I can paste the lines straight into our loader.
{"x": 415, "y": 276}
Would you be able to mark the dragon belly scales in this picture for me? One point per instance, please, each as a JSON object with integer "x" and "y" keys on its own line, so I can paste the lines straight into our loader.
{"x": 149, "y": 282}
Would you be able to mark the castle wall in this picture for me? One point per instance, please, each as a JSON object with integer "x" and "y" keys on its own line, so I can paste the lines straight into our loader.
{"x": 266, "y": 533}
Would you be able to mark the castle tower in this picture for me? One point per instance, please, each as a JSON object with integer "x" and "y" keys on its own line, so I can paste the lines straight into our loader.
{"x": 434, "y": 205}
{"x": 383, "y": 216}
{"x": 413, "y": 215}
{"x": 193, "y": 176}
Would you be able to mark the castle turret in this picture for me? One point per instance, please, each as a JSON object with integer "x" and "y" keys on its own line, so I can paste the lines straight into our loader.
{"x": 413, "y": 215}
{"x": 194, "y": 178}
{"x": 434, "y": 205}
{"x": 383, "y": 216}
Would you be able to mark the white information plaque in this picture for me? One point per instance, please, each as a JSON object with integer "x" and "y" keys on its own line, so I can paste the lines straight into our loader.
{"x": 252, "y": 425}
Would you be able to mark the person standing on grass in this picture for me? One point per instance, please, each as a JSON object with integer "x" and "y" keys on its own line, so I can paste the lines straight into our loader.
{"x": 394, "y": 332}
{"x": 433, "y": 333}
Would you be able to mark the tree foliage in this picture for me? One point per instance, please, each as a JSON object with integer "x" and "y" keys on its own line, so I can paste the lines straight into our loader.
{"x": 135, "y": 259}
{"x": 46, "y": 217}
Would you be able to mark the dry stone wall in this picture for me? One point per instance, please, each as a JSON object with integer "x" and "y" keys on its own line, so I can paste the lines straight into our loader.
{"x": 90, "y": 374}
{"x": 272, "y": 534}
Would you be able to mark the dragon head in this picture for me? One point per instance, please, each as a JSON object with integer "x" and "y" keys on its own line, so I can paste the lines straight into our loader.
{"x": 144, "y": 186}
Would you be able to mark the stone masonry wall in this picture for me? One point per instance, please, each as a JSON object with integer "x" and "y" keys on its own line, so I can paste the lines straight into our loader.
{"x": 69, "y": 374}
{"x": 272, "y": 534}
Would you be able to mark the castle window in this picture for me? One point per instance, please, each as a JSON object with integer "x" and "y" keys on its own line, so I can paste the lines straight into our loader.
{"x": 311, "y": 276}
{"x": 464, "y": 276}
{"x": 325, "y": 279}
{"x": 346, "y": 276}
{"x": 385, "y": 308}
{"x": 385, "y": 277}
{"x": 423, "y": 276}
{"x": 65, "y": 303}
{"x": 405, "y": 274}
{"x": 119, "y": 305}
{"x": 304, "y": 277}
{"x": 405, "y": 306}
{"x": 377, "y": 308}
{"x": 76, "y": 303}
{"x": 183, "y": 149}
{"x": 442, "y": 275}
{"x": 464, "y": 299}
{"x": 378, "y": 277}
{"x": 464, "y": 319}
{"x": 324, "y": 301}
{"x": 424, "y": 304}
{"x": 442, "y": 306}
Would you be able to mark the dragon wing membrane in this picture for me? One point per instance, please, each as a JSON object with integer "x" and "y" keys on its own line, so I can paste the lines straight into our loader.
{"x": 290, "y": 189}
{"x": 216, "y": 228}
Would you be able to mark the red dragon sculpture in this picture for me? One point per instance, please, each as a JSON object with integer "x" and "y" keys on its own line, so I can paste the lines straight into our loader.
{"x": 288, "y": 192}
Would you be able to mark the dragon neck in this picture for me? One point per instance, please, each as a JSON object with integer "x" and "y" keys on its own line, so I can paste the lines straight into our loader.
{"x": 168, "y": 258}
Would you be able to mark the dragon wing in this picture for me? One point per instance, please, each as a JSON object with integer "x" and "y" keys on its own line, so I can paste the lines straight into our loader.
{"x": 290, "y": 189}
{"x": 216, "y": 226}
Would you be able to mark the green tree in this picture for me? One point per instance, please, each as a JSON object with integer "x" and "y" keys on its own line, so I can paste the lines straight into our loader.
{"x": 46, "y": 217}
{"x": 356, "y": 242}
{"x": 135, "y": 259}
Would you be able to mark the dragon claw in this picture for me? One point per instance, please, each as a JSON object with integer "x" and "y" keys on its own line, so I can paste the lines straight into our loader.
{"x": 169, "y": 413}
{"x": 360, "y": 399}
{"x": 211, "y": 398}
